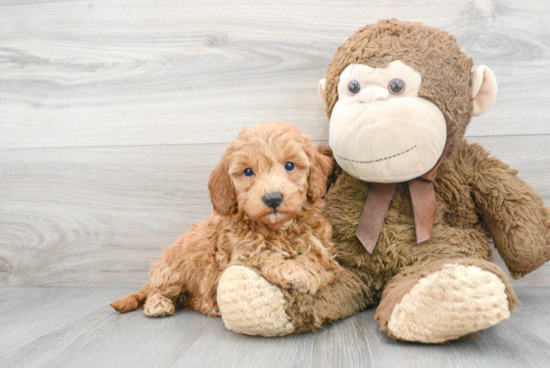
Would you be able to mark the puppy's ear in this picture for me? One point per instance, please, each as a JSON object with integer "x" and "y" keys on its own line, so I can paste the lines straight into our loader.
{"x": 321, "y": 167}
{"x": 222, "y": 192}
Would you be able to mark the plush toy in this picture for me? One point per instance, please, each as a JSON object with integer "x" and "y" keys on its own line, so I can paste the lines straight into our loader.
{"x": 412, "y": 204}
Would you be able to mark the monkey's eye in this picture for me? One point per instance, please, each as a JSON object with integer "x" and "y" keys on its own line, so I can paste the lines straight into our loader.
{"x": 354, "y": 87}
{"x": 396, "y": 86}
{"x": 289, "y": 166}
{"x": 248, "y": 172}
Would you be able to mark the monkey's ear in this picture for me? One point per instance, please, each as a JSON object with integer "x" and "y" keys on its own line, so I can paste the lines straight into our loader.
{"x": 484, "y": 89}
{"x": 321, "y": 89}
{"x": 222, "y": 192}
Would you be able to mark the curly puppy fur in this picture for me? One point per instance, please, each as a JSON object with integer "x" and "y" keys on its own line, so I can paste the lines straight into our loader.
{"x": 290, "y": 245}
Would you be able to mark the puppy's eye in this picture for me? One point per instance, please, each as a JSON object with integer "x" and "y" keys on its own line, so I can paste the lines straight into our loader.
{"x": 354, "y": 87}
{"x": 396, "y": 86}
{"x": 248, "y": 172}
{"x": 289, "y": 166}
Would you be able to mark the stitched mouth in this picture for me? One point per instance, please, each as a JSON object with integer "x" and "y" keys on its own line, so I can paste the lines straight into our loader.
{"x": 380, "y": 159}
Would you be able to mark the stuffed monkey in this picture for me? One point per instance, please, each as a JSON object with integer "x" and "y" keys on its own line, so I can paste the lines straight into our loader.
{"x": 412, "y": 204}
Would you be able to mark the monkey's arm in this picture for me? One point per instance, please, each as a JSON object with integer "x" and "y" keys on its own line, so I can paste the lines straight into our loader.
{"x": 514, "y": 213}
{"x": 336, "y": 169}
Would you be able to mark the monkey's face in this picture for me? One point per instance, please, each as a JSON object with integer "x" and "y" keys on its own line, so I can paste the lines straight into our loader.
{"x": 380, "y": 129}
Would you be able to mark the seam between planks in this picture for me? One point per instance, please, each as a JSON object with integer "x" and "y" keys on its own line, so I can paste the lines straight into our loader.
{"x": 50, "y": 331}
{"x": 317, "y": 140}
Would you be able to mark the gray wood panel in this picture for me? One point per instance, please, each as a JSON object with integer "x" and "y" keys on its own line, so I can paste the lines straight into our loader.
{"x": 75, "y": 328}
{"x": 98, "y": 216}
{"x": 142, "y": 72}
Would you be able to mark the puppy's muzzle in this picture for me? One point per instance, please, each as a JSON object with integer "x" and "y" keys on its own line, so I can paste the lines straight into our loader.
{"x": 273, "y": 200}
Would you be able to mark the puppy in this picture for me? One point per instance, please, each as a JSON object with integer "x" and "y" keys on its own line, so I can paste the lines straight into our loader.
{"x": 266, "y": 193}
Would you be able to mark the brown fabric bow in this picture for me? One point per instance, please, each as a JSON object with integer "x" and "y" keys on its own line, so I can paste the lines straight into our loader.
{"x": 379, "y": 200}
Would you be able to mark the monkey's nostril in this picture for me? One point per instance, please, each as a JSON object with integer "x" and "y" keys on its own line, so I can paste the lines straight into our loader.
{"x": 273, "y": 200}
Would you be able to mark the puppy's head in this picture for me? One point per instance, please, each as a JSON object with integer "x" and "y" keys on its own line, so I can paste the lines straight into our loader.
{"x": 268, "y": 173}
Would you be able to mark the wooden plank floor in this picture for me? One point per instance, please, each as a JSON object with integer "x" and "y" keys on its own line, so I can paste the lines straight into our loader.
{"x": 73, "y": 327}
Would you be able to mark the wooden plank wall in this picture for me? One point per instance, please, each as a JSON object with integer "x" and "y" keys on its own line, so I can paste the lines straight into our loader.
{"x": 114, "y": 112}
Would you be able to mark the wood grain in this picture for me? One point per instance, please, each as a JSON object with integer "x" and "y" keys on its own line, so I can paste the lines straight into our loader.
{"x": 76, "y": 328}
{"x": 99, "y": 215}
{"x": 141, "y": 72}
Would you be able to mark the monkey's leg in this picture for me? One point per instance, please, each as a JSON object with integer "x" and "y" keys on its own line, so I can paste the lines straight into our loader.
{"x": 249, "y": 304}
{"x": 445, "y": 300}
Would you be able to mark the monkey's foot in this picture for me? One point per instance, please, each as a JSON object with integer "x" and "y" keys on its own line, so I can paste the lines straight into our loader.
{"x": 249, "y": 304}
{"x": 453, "y": 302}
{"x": 158, "y": 306}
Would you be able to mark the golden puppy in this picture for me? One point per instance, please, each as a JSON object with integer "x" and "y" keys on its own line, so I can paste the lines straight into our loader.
{"x": 266, "y": 193}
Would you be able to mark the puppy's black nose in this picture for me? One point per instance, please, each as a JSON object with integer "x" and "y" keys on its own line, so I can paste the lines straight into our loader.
{"x": 273, "y": 200}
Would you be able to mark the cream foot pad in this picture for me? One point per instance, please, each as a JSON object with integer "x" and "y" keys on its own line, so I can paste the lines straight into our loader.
{"x": 452, "y": 302}
{"x": 158, "y": 306}
{"x": 249, "y": 304}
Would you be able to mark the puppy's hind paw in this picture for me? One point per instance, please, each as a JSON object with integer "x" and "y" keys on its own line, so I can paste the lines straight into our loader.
{"x": 158, "y": 306}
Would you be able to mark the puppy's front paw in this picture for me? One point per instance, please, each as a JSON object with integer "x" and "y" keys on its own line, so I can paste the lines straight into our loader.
{"x": 158, "y": 306}
{"x": 292, "y": 277}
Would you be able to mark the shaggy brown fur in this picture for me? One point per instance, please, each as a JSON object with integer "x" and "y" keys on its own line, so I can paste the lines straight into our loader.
{"x": 477, "y": 195}
{"x": 289, "y": 246}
